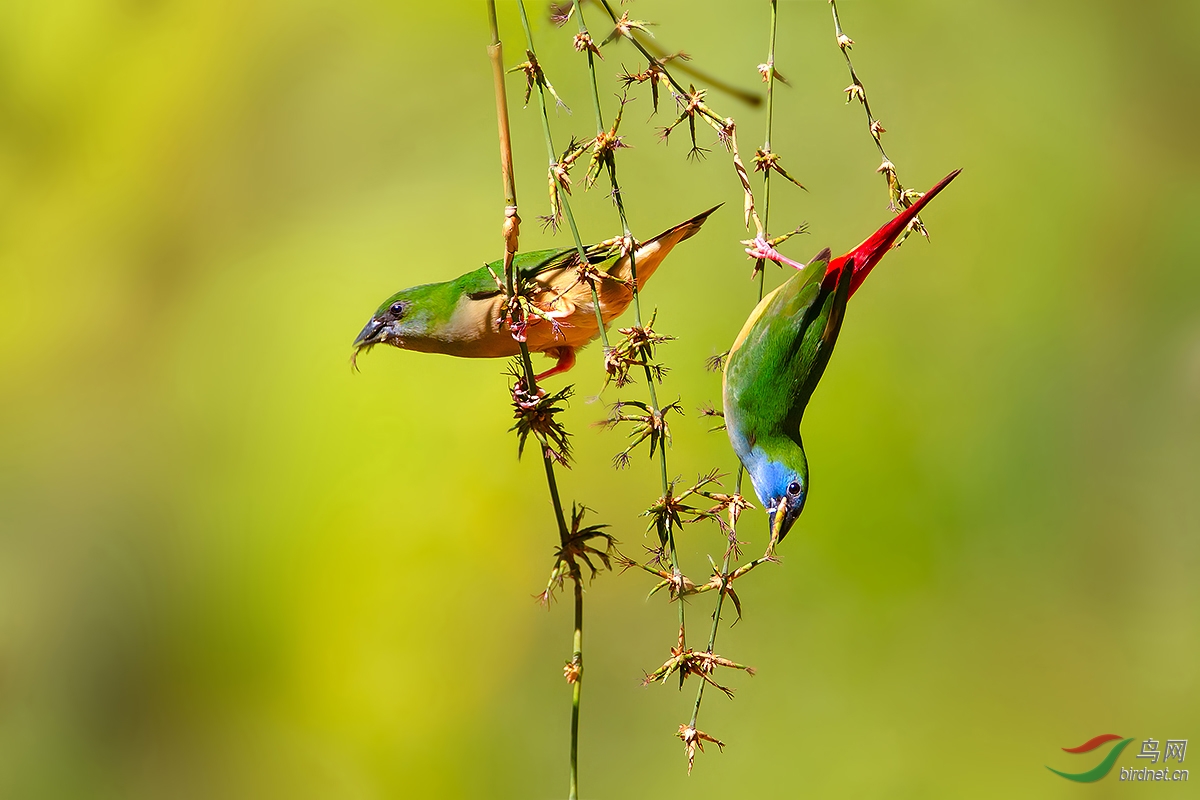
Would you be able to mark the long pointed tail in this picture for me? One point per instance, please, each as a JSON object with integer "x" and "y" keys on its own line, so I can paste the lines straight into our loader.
{"x": 688, "y": 228}
{"x": 651, "y": 253}
{"x": 868, "y": 254}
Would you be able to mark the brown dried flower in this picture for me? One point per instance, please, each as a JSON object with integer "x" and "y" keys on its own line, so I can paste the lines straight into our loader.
{"x": 583, "y": 42}
{"x": 694, "y": 740}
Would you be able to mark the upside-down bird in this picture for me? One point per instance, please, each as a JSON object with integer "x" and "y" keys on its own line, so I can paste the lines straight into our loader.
{"x": 780, "y": 355}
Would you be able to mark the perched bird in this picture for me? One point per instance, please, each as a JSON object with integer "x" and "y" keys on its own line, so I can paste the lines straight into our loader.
{"x": 463, "y": 317}
{"x": 780, "y": 355}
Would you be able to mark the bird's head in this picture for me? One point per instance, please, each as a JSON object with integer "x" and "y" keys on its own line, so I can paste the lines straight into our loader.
{"x": 399, "y": 318}
{"x": 781, "y": 483}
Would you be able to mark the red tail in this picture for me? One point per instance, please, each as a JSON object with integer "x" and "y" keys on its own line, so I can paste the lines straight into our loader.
{"x": 868, "y": 254}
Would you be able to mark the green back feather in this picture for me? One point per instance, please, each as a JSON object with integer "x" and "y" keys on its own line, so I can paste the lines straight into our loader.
{"x": 781, "y": 354}
{"x": 480, "y": 283}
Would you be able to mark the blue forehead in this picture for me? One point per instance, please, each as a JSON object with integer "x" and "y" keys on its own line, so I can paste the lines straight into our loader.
{"x": 771, "y": 478}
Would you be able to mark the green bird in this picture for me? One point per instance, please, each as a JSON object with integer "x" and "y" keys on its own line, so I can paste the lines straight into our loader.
{"x": 780, "y": 355}
{"x": 465, "y": 316}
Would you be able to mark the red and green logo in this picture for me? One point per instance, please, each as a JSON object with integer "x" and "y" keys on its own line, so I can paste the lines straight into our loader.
{"x": 1104, "y": 767}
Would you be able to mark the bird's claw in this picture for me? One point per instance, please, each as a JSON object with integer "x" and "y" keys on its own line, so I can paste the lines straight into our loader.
{"x": 522, "y": 398}
{"x": 760, "y": 248}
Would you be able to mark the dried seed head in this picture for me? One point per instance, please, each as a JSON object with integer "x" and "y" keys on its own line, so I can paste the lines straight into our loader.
{"x": 559, "y": 175}
{"x": 766, "y": 161}
{"x": 603, "y": 146}
{"x": 716, "y": 363}
{"x": 726, "y": 134}
{"x": 534, "y": 76}
{"x": 561, "y": 12}
{"x": 855, "y": 91}
{"x": 559, "y": 179}
{"x": 654, "y": 73}
{"x": 694, "y": 740}
{"x": 626, "y": 26}
{"x": 844, "y": 41}
{"x": 766, "y": 72}
{"x": 557, "y": 576}
{"x": 581, "y": 543}
{"x": 636, "y": 349}
{"x": 535, "y": 415}
{"x": 583, "y": 43}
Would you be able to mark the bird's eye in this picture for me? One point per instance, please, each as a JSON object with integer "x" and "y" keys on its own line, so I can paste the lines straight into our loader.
{"x": 794, "y": 488}
{"x": 397, "y": 308}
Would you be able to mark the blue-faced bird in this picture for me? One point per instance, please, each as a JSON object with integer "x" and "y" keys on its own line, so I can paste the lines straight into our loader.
{"x": 779, "y": 356}
{"x": 464, "y": 316}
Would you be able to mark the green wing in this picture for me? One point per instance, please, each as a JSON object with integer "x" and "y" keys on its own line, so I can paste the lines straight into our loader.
{"x": 480, "y": 284}
{"x": 782, "y": 352}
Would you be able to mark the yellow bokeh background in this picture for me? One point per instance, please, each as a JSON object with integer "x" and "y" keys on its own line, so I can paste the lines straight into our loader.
{"x": 230, "y": 567}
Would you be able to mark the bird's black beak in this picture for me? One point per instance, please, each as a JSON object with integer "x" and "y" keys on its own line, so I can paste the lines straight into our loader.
{"x": 371, "y": 334}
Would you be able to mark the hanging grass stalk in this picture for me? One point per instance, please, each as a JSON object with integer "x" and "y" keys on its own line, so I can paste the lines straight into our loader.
{"x": 671, "y": 511}
{"x": 899, "y": 198}
{"x": 638, "y": 347}
{"x": 691, "y": 104}
{"x": 766, "y": 162}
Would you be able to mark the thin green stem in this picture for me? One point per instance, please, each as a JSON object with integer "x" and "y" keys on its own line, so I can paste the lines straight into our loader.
{"x": 766, "y": 205}
{"x": 591, "y": 57}
{"x": 563, "y": 198}
{"x": 837, "y": 25}
{"x": 900, "y": 197}
{"x": 723, "y": 126}
{"x": 710, "y": 116}
{"x": 666, "y": 533}
{"x": 576, "y": 687}
{"x": 650, "y": 57}
{"x": 766, "y": 215}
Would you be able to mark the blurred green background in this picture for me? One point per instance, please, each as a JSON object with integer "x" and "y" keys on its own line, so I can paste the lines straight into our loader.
{"x": 230, "y": 567}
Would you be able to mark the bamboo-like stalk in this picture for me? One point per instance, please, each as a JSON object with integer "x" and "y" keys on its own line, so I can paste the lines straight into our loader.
{"x": 511, "y": 234}
{"x": 512, "y": 222}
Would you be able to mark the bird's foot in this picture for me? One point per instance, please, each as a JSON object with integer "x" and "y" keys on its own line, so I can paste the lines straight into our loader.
{"x": 565, "y": 360}
{"x": 761, "y": 248}
{"x": 523, "y": 399}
